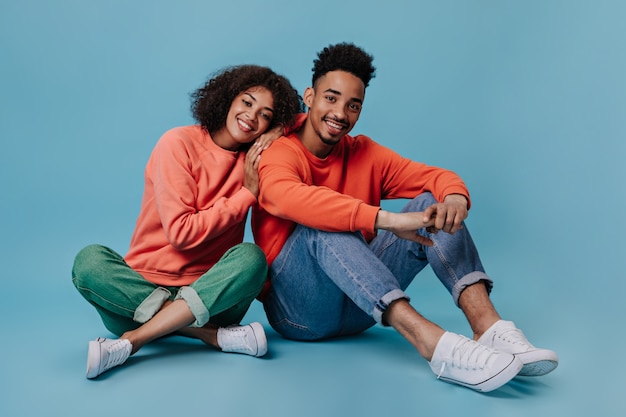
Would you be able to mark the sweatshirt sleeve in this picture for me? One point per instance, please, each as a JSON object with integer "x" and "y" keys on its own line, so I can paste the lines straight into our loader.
{"x": 405, "y": 178}
{"x": 286, "y": 191}
{"x": 194, "y": 203}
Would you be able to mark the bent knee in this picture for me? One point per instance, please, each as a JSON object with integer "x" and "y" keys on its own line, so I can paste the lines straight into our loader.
{"x": 83, "y": 261}
{"x": 252, "y": 257}
{"x": 90, "y": 262}
{"x": 251, "y": 251}
{"x": 90, "y": 255}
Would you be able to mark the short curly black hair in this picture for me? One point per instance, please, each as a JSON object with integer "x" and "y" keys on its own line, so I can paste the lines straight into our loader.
{"x": 211, "y": 103}
{"x": 344, "y": 57}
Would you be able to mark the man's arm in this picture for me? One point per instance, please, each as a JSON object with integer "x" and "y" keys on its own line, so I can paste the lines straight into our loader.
{"x": 447, "y": 216}
{"x": 287, "y": 192}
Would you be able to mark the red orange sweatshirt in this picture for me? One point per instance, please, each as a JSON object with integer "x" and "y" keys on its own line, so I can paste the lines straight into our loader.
{"x": 341, "y": 192}
{"x": 193, "y": 210}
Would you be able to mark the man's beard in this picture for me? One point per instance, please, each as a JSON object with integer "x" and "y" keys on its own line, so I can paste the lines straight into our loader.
{"x": 330, "y": 141}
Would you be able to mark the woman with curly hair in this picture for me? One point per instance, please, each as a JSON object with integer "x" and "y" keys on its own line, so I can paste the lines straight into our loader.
{"x": 188, "y": 270}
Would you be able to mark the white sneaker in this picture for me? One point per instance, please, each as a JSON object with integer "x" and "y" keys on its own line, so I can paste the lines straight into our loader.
{"x": 504, "y": 336}
{"x": 104, "y": 354}
{"x": 249, "y": 339}
{"x": 462, "y": 361}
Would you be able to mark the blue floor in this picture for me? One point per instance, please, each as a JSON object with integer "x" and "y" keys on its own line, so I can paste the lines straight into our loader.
{"x": 377, "y": 373}
{"x": 526, "y": 101}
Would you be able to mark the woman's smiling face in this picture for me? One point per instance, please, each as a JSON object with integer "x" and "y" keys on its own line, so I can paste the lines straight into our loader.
{"x": 249, "y": 116}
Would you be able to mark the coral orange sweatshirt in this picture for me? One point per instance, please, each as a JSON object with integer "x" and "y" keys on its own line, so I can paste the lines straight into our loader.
{"x": 341, "y": 192}
{"x": 193, "y": 210}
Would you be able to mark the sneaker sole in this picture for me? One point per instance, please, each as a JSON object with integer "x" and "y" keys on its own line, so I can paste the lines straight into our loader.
{"x": 538, "y": 368}
{"x": 261, "y": 339}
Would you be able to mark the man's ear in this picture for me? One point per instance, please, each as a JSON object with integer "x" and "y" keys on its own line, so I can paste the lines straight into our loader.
{"x": 308, "y": 96}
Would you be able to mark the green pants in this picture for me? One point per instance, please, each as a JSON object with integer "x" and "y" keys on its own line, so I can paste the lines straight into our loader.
{"x": 125, "y": 300}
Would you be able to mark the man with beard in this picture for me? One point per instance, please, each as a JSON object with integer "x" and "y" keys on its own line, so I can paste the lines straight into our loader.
{"x": 340, "y": 264}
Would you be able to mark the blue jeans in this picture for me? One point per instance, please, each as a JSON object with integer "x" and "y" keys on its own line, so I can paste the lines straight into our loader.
{"x": 328, "y": 284}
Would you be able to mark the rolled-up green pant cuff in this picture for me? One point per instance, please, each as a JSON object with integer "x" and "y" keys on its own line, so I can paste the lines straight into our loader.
{"x": 151, "y": 305}
{"x": 197, "y": 307}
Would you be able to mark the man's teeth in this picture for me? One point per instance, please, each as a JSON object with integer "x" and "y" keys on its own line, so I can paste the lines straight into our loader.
{"x": 334, "y": 125}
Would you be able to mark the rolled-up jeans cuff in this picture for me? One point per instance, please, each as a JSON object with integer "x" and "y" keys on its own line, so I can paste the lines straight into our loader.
{"x": 470, "y": 279}
{"x": 385, "y": 301}
{"x": 197, "y": 307}
{"x": 151, "y": 305}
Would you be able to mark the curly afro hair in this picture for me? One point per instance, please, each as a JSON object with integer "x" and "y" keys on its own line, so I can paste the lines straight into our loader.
{"x": 344, "y": 57}
{"x": 212, "y": 102}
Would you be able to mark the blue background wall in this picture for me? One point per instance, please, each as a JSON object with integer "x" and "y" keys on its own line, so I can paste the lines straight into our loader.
{"x": 525, "y": 100}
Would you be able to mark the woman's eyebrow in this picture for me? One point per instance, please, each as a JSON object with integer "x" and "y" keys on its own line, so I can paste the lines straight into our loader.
{"x": 254, "y": 99}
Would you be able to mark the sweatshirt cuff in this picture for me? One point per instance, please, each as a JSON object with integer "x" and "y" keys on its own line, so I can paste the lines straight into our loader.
{"x": 365, "y": 218}
{"x": 457, "y": 190}
{"x": 243, "y": 197}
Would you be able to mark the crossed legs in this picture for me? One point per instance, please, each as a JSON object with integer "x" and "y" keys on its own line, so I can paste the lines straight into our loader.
{"x": 139, "y": 311}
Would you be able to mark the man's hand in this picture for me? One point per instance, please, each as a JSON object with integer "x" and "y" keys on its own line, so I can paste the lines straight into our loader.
{"x": 447, "y": 216}
{"x": 405, "y": 225}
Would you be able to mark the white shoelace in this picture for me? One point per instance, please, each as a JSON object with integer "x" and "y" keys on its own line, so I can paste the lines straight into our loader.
{"x": 469, "y": 355}
{"x": 235, "y": 338}
{"x": 117, "y": 353}
{"x": 514, "y": 336}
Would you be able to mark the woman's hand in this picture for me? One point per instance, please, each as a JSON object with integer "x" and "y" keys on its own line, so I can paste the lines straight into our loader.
{"x": 266, "y": 139}
{"x": 253, "y": 156}
{"x": 251, "y": 168}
